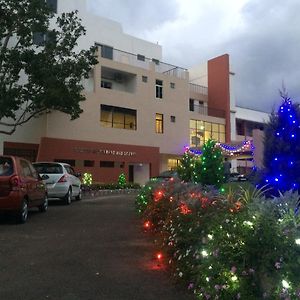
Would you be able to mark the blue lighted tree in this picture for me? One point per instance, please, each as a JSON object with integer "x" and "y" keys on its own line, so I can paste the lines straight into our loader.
{"x": 282, "y": 147}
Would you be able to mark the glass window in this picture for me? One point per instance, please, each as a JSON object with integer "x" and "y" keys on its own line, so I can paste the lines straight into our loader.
{"x": 215, "y": 127}
{"x": 192, "y": 105}
{"x": 6, "y": 166}
{"x": 159, "y": 89}
{"x": 173, "y": 119}
{"x": 159, "y": 125}
{"x": 207, "y": 126}
{"x": 106, "y": 84}
{"x": 88, "y": 163}
{"x": 192, "y": 123}
{"x": 222, "y": 137}
{"x": 141, "y": 57}
{"x": 107, "y": 164}
{"x": 118, "y": 117}
{"x": 26, "y": 172}
{"x": 106, "y": 52}
{"x": 173, "y": 163}
{"x": 222, "y": 128}
{"x": 53, "y": 5}
{"x": 144, "y": 78}
{"x": 172, "y": 85}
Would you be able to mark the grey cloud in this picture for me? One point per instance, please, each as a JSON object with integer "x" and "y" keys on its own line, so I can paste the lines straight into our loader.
{"x": 135, "y": 15}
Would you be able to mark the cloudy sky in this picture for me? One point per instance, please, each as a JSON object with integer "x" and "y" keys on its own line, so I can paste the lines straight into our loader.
{"x": 262, "y": 38}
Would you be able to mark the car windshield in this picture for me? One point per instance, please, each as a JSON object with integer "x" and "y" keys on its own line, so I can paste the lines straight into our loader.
{"x": 48, "y": 168}
{"x": 6, "y": 166}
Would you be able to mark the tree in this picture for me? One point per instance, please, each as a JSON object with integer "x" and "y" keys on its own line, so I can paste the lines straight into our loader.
{"x": 186, "y": 166}
{"x": 35, "y": 79}
{"x": 122, "y": 181}
{"x": 282, "y": 146}
{"x": 212, "y": 166}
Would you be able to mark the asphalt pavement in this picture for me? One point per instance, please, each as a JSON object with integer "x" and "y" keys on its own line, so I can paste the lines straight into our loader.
{"x": 93, "y": 249}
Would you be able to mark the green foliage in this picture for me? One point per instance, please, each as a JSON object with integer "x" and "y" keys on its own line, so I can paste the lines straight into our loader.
{"x": 122, "y": 180}
{"x": 186, "y": 167}
{"x": 212, "y": 166}
{"x": 35, "y": 79}
{"x": 233, "y": 246}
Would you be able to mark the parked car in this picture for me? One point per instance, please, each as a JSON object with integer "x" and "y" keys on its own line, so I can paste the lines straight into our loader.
{"x": 62, "y": 182}
{"x": 21, "y": 187}
{"x": 236, "y": 177}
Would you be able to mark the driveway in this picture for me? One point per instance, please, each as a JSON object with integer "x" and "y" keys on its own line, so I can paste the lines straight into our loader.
{"x": 90, "y": 250}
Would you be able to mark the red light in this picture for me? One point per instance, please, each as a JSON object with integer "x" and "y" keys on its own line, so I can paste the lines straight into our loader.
{"x": 159, "y": 256}
{"x": 63, "y": 178}
{"x": 184, "y": 209}
{"x": 147, "y": 224}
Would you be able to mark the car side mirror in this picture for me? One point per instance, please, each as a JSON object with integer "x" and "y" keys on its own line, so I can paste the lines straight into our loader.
{"x": 45, "y": 177}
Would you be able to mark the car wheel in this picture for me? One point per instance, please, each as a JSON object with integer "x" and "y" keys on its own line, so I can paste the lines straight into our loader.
{"x": 79, "y": 196}
{"x": 68, "y": 197}
{"x": 23, "y": 213}
{"x": 44, "y": 206}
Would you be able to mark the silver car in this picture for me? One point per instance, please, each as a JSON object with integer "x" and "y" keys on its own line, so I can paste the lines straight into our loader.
{"x": 62, "y": 183}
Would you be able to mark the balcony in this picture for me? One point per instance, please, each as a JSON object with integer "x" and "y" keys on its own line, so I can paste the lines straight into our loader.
{"x": 199, "y": 89}
{"x": 141, "y": 61}
{"x": 208, "y": 111}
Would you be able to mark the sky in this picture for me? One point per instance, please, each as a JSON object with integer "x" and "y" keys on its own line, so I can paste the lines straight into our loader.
{"x": 262, "y": 38}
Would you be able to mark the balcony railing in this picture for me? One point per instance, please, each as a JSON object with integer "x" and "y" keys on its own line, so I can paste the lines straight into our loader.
{"x": 145, "y": 63}
{"x": 208, "y": 111}
{"x": 200, "y": 89}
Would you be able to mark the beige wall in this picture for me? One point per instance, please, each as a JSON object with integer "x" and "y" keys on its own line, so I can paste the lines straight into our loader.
{"x": 175, "y": 102}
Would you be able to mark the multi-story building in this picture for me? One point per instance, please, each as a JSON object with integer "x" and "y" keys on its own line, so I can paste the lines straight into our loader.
{"x": 140, "y": 113}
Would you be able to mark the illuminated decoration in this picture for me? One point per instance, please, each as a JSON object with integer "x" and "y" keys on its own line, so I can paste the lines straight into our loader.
{"x": 87, "y": 179}
{"x": 186, "y": 166}
{"x": 159, "y": 256}
{"x": 246, "y": 147}
{"x": 211, "y": 169}
{"x": 122, "y": 181}
{"x": 281, "y": 148}
{"x": 184, "y": 209}
{"x": 147, "y": 225}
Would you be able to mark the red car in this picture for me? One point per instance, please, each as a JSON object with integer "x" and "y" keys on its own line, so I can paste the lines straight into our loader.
{"x": 21, "y": 187}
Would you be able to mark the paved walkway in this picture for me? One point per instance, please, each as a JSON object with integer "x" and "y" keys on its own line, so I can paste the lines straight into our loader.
{"x": 90, "y": 250}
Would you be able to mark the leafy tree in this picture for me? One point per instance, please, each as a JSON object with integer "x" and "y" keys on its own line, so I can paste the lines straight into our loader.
{"x": 212, "y": 166}
{"x": 35, "y": 79}
{"x": 282, "y": 146}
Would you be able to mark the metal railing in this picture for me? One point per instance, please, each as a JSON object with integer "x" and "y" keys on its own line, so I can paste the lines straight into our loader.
{"x": 200, "y": 89}
{"x": 208, "y": 111}
{"x": 145, "y": 63}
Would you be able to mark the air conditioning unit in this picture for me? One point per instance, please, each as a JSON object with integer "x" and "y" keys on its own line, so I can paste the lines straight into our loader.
{"x": 118, "y": 78}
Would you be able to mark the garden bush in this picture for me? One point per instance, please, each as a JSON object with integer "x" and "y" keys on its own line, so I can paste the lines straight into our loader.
{"x": 232, "y": 245}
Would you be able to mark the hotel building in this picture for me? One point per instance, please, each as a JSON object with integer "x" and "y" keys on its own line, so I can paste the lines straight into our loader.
{"x": 140, "y": 112}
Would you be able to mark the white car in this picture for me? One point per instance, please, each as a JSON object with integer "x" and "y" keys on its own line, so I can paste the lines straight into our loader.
{"x": 62, "y": 183}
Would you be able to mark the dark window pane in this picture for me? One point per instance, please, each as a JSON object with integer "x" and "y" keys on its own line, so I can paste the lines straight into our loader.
{"x": 191, "y": 104}
{"x": 53, "y": 5}
{"x": 38, "y": 38}
{"x": 6, "y": 166}
{"x": 107, "y": 52}
{"x": 141, "y": 57}
{"x": 88, "y": 163}
{"x": 48, "y": 168}
{"x": 107, "y": 164}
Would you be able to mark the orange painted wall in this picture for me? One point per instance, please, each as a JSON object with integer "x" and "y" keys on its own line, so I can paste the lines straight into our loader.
{"x": 219, "y": 87}
{"x": 51, "y": 149}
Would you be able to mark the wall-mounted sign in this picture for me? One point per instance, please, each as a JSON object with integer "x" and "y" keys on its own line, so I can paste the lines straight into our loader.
{"x": 104, "y": 151}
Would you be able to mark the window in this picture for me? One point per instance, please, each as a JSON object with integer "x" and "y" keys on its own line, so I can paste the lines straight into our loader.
{"x": 25, "y": 168}
{"x": 106, "y": 84}
{"x": 201, "y": 132}
{"x": 107, "y": 164}
{"x": 191, "y": 104}
{"x": 53, "y": 5}
{"x": 172, "y": 85}
{"x": 144, "y": 78}
{"x": 172, "y": 119}
{"x": 141, "y": 57}
{"x": 173, "y": 163}
{"x": 88, "y": 163}
{"x": 156, "y": 61}
{"x": 38, "y": 38}
{"x": 159, "y": 123}
{"x": 107, "y": 52}
{"x": 159, "y": 89}
{"x": 118, "y": 117}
